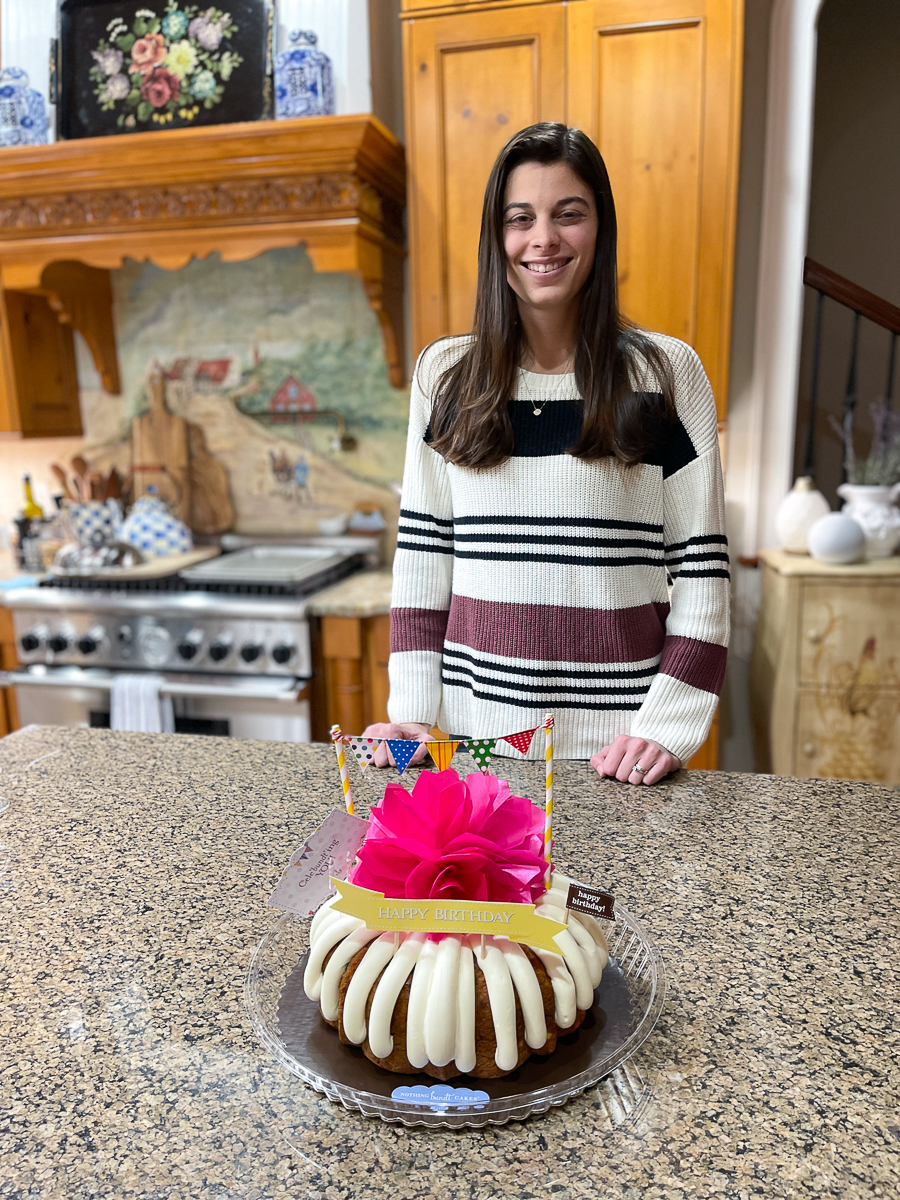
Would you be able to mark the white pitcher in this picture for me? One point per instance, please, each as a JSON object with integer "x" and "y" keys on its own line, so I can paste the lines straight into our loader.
{"x": 872, "y": 507}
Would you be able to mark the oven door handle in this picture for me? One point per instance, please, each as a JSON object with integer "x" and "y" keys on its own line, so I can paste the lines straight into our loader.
{"x": 290, "y": 692}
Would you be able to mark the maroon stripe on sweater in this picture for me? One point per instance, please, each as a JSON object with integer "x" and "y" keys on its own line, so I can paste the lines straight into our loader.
{"x": 701, "y": 664}
{"x": 418, "y": 628}
{"x": 552, "y": 634}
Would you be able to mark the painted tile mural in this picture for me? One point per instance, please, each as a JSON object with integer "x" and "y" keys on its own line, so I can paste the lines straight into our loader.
{"x": 275, "y": 362}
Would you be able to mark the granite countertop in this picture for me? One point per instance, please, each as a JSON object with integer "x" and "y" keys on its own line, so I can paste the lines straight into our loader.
{"x": 134, "y": 873}
{"x": 365, "y": 594}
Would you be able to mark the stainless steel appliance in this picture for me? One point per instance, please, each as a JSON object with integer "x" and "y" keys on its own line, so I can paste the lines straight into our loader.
{"x": 231, "y": 643}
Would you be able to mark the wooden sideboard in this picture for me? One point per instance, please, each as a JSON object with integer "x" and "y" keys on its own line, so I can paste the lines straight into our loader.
{"x": 825, "y": 675}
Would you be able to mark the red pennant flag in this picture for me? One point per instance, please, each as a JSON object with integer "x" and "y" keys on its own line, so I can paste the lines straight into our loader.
{"x": 520, "y": 741}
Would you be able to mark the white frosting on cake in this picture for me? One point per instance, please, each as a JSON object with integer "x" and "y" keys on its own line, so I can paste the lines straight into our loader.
{"x": 440, "y": 1025}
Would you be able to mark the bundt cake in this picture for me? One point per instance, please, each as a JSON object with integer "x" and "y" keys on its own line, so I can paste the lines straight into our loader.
{"x": 451, "y": 1004}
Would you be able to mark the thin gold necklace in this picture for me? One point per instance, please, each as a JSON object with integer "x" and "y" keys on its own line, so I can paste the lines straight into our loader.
{"x": 535, "y": 411}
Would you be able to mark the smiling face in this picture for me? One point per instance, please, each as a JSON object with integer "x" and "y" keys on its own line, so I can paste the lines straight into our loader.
{"x": 549, "y": 235}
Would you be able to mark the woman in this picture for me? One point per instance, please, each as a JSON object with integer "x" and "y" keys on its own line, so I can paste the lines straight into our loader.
{"x": 562, "y": 466}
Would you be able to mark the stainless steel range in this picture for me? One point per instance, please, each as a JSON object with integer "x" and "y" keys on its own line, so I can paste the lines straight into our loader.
{"x": 230, "y": 639}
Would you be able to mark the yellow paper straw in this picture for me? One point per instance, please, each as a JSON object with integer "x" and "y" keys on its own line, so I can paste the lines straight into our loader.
{"x": 338, "y": 738}
{"x": 548, "y": 802}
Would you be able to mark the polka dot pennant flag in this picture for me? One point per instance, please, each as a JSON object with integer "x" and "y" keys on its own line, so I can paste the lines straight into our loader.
{"x": 482, "y": 750}
{"x": 442, "y": 752}
{"x": 402, "y": 750}
{"x": 363, "y": 750}
{"x": 520, "y": 741}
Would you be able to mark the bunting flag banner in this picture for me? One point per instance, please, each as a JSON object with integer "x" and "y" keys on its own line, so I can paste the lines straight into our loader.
{"x": 482, "y": 750}
{"x": 363, "y": 750}
{"x": 402, "y": 749}
{"x": 442, "y": 753}
{"x": 520, "y": 741}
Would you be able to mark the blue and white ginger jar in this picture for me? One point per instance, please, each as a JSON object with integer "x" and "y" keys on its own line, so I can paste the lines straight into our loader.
{"x": 23, "y": 114}
{"x": 304, "y": 80}
{"x": 152, "y": 528}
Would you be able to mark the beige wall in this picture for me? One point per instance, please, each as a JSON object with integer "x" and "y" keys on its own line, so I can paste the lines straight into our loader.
{"x": 853, "y": 225}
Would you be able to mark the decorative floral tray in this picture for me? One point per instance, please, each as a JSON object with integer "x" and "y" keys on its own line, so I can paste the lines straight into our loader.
{"x": 628, "y": 1003}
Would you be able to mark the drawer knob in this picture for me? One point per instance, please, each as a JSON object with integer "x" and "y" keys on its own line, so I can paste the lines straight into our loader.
{"x": 809, "y": 749}
{"x": 814, "y": 636}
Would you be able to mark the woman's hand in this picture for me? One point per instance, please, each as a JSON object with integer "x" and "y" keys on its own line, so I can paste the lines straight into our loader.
{"x": 620, "y": 758}
{"x": 410, "y": 731}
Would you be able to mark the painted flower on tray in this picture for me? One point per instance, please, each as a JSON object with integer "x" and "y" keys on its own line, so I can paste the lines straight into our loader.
{"x": 454, "y": 839}
{"x": 181, "y": 59}
{"x": 227, "y": 63}
{"x": 204, "y": 85}
{"x": 160, "y": 87}
{"x": 166, "y": 66}
{"x": 109, "y": 61}
{"x": 209, "y": 29}
{"x": 175, "y": 25}
{"x": 117, "y": 87}
{"x": 147, "y": 53}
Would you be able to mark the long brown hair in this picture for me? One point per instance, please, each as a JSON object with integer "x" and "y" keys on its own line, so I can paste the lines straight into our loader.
{"x": 470, "y": 422}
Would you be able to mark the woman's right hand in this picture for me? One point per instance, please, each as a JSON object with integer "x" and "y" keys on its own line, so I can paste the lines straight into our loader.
{"x": 409, "y": 731}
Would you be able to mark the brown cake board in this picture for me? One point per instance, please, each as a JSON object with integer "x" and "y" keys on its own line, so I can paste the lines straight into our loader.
{"x": 315, "y": 1046}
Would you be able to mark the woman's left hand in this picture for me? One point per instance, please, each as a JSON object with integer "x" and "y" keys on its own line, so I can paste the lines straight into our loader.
{"x": 621, "y": 758}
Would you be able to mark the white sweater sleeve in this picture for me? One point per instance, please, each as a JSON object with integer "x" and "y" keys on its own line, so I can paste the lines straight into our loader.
{"x": 423, "y": 564}
{"x": 679, "y": 707}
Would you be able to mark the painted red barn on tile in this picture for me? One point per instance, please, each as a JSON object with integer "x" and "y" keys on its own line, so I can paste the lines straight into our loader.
{"x": 292, "y": 397}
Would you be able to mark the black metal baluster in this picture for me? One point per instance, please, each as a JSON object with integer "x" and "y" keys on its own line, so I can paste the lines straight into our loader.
{"x": 850, "y": 398}
{"x": 814, "y": 390}
{"x": 889, "y": 390}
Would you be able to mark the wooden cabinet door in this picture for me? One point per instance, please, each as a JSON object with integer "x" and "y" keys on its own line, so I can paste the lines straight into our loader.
{"x": 472, "y": 80}
{"x": 656, "y": 84}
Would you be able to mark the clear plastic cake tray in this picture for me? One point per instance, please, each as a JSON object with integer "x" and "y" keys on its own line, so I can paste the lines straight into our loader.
{"x": 627, "y": 1005}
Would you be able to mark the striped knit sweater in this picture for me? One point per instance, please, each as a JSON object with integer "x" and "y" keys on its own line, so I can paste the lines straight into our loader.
{"x": 590, "y": 590}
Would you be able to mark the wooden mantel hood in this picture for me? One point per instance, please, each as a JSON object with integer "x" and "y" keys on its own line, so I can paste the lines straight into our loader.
{"x": 71, "y": 211}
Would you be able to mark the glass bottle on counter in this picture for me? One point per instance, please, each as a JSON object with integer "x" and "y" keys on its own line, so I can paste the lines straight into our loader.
{"x": 32, "y": 511}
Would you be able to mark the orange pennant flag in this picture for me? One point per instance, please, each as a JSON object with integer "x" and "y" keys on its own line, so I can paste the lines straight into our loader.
{"x": 442, "y": 752}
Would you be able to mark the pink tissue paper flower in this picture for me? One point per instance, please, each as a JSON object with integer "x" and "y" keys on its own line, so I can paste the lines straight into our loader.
{"x": 454, "y": 839}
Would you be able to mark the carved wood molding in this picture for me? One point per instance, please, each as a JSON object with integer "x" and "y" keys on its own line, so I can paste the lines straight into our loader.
{"x": 301, "y": 197}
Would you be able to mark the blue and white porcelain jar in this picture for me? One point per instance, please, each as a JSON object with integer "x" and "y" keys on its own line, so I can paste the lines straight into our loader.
{"x": 304, "y": 80}
{"x": 23, "y": 114}
{"x": 152, "y": 528}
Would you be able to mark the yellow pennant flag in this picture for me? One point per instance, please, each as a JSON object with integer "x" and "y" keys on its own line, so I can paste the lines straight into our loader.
{"x": 442, "y": 752}
{"x": 518, "y": 922}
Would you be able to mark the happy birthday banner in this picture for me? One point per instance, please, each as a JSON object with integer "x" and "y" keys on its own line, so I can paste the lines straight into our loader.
{"x": 403, "y": 749}
{"x": 482, "y": 750}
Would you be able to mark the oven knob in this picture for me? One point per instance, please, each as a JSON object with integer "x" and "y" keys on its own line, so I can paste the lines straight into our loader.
{"x": 31, "y": 640}
{"x": 251, "y": 652}
{"x": 89, "y": 644}
{"x": 219, "y": 649}
{"x": 283, "y": 653}
{"x": 190, "y": 644}
{"x": 59, "y": 643}
{"x": 155, "y": 645}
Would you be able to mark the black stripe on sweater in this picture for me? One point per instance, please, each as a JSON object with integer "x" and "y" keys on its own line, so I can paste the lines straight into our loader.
{"x": 537, "y": 539}
{"x": 417, "y": 516}
{"x": 571, "y": 522}
{"x": 414, "y": 531}
{"x": 480, "y": 693}
{"x": 711, "y": 539}
{"x": 587, "y": 673}
{"x": 565, "y": 559}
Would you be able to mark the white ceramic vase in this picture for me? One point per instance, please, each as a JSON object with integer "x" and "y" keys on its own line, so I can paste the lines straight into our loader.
{"x": 797, "y": 513}
{"x": 873, "y": 508}
{"x": 837, "y": 539}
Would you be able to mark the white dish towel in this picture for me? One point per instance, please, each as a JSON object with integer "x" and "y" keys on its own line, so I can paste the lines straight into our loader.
{"x": 136, "y": 705}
